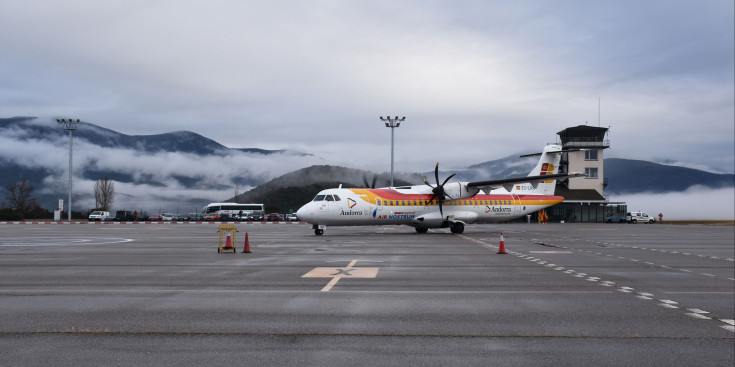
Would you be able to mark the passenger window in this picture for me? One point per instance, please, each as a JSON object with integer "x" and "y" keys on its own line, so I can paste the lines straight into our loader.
{"x": 391, "y": 203}
{"x": 379, "y": 202}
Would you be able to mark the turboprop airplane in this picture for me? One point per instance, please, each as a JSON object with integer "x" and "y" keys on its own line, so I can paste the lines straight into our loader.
{"x": 446, "y": 204}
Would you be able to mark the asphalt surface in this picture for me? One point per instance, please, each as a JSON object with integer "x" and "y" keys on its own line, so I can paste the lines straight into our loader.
{"x": 564, "y": 294}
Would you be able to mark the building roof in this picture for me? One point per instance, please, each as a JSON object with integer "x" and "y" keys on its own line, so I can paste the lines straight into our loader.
{"x": 582, "y": 133}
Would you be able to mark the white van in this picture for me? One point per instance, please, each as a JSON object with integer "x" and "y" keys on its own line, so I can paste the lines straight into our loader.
{"x": 639, "y": 217}
{"x": 98, "y": 216}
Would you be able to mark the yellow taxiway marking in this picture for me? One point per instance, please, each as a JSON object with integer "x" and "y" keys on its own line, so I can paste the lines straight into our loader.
{"x": 338, "y": 273}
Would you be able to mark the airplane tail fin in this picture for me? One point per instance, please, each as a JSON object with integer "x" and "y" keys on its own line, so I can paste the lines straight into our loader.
{"x": 547, "y": 165}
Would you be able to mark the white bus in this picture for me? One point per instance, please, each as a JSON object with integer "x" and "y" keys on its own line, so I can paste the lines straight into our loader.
{"x": 214, "y": 211}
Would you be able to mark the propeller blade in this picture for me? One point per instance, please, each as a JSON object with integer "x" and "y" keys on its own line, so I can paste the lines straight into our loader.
{"x": 448, "y": 178}
{"x": 436, "y": 173}
{"x": 375, "y": 179}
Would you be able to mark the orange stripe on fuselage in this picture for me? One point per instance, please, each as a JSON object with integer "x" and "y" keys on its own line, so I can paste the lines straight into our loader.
{"x": 371, "y": 196}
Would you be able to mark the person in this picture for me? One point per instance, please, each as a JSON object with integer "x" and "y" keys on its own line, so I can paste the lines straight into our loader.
{"x": 660, "y": 217}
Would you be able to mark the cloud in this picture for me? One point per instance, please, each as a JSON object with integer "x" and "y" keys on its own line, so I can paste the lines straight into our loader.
{"x": 208, "y": 178}
{"x": 475, "y": 79}
{"x": 697, "y": 202}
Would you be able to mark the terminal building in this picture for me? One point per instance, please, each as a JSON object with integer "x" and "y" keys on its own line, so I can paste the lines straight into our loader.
{"x": 584, "y": 197}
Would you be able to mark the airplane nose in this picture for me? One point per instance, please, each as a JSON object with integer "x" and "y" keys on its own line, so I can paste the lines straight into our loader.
{"x": 304, "y": 213}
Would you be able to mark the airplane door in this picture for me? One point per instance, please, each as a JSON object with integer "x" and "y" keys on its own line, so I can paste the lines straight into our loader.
{"x": 517, "y": 210}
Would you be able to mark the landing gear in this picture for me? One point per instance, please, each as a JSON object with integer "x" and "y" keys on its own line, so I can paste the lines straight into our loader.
{"x": 318, "y": 229}
{"x": 318, "y": 232}
{"x": 421, "y": 229}
{"x": 456, "y": 227}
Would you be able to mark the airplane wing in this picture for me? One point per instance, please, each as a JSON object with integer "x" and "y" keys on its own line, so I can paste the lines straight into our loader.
{"x": 533, "y": 180}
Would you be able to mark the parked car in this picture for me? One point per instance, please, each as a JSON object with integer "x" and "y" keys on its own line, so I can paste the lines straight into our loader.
{"x": 256, "y": 216}
{"x": 212, "y": 217}
{"x": 124, "y": 216}
{"x": 167, "y": 217}
{"x": 615, "y": 218}
{"x": 291, "y": 217}
{"x": 639, "y": 217}
{"x": 273, "y": 217}
{"x": 155, "y": 218}
{"x": 98, "y": 216}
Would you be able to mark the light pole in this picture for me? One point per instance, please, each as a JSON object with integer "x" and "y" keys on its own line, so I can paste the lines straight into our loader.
{"x": 69, "y": 125}
{"x": 392, "y": 123}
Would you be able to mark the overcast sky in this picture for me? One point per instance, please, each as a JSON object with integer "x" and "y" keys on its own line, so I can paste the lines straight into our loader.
{"x": 476, "y": 80}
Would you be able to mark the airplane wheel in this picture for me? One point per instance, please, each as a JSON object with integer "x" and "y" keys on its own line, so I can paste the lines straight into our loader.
{"x": 421, "y": 229}
{"x": 456, "y": 228}
{"x": 318, "y": 232}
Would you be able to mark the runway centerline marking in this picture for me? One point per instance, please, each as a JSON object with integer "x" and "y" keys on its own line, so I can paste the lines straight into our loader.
{"x": 350, "y": 271}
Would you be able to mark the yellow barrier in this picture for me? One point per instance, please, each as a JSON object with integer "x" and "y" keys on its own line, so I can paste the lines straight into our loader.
{"x": 227, "y": 232}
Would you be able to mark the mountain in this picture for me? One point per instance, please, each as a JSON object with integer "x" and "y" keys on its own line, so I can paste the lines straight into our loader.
{"x": 173, "y": 171}
{"x": 634, "y": 176}
{"x": 183, "y": 171}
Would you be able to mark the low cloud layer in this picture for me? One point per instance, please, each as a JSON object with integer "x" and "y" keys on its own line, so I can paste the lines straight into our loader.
{"x": 695, "y": 203}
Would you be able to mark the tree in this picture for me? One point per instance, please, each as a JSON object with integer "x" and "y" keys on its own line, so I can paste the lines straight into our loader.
{"x": 104, "y": 193}
{"x": 19, "y": 195}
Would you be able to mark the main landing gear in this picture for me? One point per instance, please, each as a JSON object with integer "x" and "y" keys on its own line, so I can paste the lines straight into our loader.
{"x": 456, "y": 227}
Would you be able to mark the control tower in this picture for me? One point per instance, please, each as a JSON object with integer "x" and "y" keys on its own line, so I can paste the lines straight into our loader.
{"x": 584, "y": 197}
{"x": 589, "y": 160}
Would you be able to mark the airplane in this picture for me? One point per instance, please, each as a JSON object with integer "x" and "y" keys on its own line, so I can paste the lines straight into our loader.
{"x": 446, "y": 204}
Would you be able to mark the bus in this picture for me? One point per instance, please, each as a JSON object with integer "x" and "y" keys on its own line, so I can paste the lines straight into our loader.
{"x": 215, "y": 211}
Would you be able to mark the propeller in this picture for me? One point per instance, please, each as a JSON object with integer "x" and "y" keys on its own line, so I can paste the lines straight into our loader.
{"x": 438, "y": 191}
{"x": 364, "y": 180}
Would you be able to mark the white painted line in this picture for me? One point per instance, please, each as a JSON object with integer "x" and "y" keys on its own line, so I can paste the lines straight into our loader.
{"x": 645, "y": 294}
{"x": 623, "y": 290}
{"x": 698, "y": 316}
{"x": 643, "y": 297}
{"x": 709, "y": 275}
{"x": 728, "y": 328}
{"x": 666, "y": 305}
{"x": 728, "y": 321}
{"x": 669, "y": 301}
{"x": 627, "y": 288}
{"x": 696, "y": 310}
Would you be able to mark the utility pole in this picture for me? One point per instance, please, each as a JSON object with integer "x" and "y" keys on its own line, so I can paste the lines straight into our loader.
{"x": 392, "y": 123}
{"x": 70, "y": 126}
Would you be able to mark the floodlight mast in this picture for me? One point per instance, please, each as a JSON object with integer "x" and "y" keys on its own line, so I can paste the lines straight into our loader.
{"x": 392, "y": 123}
{"x": 69, "y": 125}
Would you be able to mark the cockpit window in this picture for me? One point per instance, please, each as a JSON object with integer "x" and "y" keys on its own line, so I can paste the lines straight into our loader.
{"x": 327, "y": 198}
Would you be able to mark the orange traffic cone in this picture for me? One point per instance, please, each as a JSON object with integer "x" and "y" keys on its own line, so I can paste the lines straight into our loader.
{"x": 228, "y": 243}
{"x": 246, "y": 247}
{"x": 501, "y": 250}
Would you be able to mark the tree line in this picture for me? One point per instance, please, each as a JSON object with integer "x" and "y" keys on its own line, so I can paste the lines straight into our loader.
{"x": 21, "y": 205}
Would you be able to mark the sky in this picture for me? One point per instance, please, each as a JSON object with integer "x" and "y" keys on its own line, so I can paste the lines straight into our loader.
{"x": 476, "y": 80}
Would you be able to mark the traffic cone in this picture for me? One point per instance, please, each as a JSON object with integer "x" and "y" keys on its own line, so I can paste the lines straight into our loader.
{"x": 228, "y": 243}
{"x": 246, "y": 247}
{"x": 501, "y": 250}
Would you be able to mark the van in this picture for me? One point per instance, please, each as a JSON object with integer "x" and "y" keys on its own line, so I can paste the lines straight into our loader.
{"x": 98, "y": 216}
{"x": 639, "y": 217}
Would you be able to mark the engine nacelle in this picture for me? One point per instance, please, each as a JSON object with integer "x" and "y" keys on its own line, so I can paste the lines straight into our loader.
{"x": 459, "y": 190}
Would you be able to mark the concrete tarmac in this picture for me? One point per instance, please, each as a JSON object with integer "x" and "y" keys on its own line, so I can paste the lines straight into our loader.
{"x": 564, "y": 294}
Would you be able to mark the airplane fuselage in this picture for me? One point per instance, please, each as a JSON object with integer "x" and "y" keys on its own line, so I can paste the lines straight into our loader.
{"x": 412, "y": 206}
